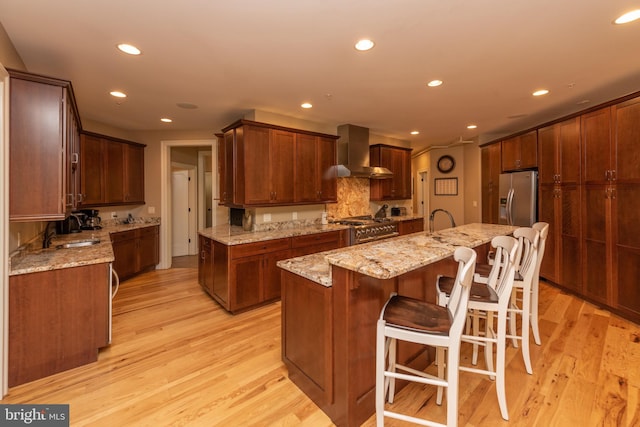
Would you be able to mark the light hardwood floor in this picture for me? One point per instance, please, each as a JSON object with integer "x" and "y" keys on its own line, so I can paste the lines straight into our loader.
{"x": 178, "y": 359}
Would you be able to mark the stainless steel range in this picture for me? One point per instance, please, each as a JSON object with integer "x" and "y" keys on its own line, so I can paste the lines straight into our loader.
{"x": 368, "y": 229}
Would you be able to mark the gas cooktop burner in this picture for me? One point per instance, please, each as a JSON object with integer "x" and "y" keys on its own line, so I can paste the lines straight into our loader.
{"x": 366, "y": 228}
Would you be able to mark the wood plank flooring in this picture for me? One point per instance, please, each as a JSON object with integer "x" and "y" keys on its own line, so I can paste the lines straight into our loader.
{"x": 178, "y": 359}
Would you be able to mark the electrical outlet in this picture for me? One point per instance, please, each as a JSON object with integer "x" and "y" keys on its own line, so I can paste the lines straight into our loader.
{"x": 294, "y": 215}
{"x": 151, "y": 209}
{"x": 266, "y": 217}
{"x": 475, "y": 203}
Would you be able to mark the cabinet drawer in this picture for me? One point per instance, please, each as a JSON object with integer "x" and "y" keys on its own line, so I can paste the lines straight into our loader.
{"x": 122, "y": 236}
{"x": 315, "y": 239}
{"x": 249, "y": 249}
{"x": 146, "y": 231}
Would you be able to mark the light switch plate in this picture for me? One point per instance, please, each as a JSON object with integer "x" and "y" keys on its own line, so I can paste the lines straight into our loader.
{"x": 266, "y": 217}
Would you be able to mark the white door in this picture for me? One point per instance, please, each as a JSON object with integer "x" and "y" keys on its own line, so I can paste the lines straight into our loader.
{"x": 180, "y": 213}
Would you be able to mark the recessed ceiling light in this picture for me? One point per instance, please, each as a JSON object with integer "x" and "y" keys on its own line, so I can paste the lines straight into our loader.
{"x": 434, "y": 83}
{"x": 628, "y": 17}
{"x": 472, "y": 127}
{"x": 128, "y": 48}
{"x": 166, "y": 120}
{"x": 540, "y": 92}
{"x": 415, "y": 132}
{"x": 118, "y": 94}
{"x": 306, "y": 105}
{"x": 364, "y": 44}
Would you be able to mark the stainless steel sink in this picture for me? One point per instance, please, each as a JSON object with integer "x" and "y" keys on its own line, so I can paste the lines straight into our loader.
{"x": 78, "y": 244}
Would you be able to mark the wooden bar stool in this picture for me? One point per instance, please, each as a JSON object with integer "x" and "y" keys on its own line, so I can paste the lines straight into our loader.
{"x": 493, "y": 299}
{"x": 417, "y": 321}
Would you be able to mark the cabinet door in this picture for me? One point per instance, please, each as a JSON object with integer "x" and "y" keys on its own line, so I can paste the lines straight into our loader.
{"x": 221, "y": 273}
{"x": 595, "y": 210}
{"x": 306, "y": 169}
{"x": 114, "y": 171}
{"x": 281, "y": 159}
{"x": 125, "y": 252}
{"x": 205, "y": 264}
{"x": 327, "y": 172}
{"x": 569, "y": 151}
{"x": 491, "y": 167}
{"x": 547, "y": 155}
{"x": 72, "y": 136}
{"x": 570, "y": 259}
{"x": 148, "y": 247}
{"x": 36, "y": 152}
{"x": 246, "y": 282}
{"x": 548, "y": 206}
{"x": 134, "y": 173}
{"x": 596, "y": 146}
{"x": 626, "y": 248}
{"x": 256, "y": 165}
{"x": 92, "y": 173}
{"x": 626, "y": 139}
{"x": 510, "y": 154}
{"x": 271, "y": 275}
{"x": 528, "y": 150}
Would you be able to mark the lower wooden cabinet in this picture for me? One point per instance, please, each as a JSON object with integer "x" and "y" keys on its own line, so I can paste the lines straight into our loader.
{"x": 240, "y": 277}
{"x": 410, "y": 226}
{"x": 58, "y": 320}
{"x": 135, "y": 250}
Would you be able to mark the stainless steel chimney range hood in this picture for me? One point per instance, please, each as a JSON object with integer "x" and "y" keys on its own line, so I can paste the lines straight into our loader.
{"x": 353, "y": 154}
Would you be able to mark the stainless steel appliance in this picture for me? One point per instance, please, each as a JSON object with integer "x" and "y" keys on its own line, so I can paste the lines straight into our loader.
{"x": 518, "y": 198}
{"x": 368, "y": 229}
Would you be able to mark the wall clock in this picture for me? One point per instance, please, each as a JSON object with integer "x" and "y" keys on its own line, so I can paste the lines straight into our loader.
{"x": 446, "y": 163}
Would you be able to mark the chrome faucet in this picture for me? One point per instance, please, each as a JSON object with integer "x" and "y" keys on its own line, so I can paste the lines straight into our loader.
{"x": 432, "y": 216}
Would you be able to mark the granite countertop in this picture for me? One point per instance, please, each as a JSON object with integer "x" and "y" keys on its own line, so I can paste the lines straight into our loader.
{"x": 392, "y": 257}
{"x": 32, "y": 260}
{"x": 235, "y": 235}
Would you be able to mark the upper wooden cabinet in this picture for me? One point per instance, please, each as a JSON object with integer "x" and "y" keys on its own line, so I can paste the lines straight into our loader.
{"x": 43, "y": 128}
{"x": 111, "y": 171}
{"x": 315, "y": 172}
{"x": 267, "y": 165}
{"x": 398, "y": 161}
{"x": 491, "y": 166}
{"x": 520, "y": 152}
{"x": 559, "y": 153}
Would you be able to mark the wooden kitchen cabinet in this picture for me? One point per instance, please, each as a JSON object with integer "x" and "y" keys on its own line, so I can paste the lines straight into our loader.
{"x": 111, "y": 171}
{"x": 205, "y": 264}
{"x": 410, "y": 226}
{"x": 490, "y": 177}
{"x": 398, "y": 161}
{"x": 520, "y": 152}
{"x": 559, "y": 201}
{"x": 58, "y": 320}
{"x": 43, "y": 124}
{"x": 315, "y": 172}
{"x": 246, "y": 275}
{"x": 135, "y": 250}
{"x": 262, "y": 166}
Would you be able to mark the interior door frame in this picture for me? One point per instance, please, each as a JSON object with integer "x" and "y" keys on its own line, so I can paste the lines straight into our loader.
{"x": 422, "y": 196}
{"x": 4, "y": 231}
{"x": 165, "y": 192}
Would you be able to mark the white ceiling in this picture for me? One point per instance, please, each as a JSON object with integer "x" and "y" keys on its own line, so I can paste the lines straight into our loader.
{"x": 230, "y": 57}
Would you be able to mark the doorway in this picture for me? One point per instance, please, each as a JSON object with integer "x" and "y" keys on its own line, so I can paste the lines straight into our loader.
{"x": 422, "y": 196}
{"x": 183, "y": 210}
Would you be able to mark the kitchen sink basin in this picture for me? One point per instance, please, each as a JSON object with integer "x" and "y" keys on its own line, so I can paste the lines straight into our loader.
{"x": 78, "y": 244}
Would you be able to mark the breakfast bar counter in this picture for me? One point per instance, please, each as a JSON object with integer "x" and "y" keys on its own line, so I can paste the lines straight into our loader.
{"x": 331, "y": 302}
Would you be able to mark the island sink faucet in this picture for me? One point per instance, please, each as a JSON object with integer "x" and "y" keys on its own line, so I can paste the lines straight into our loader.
{"x": 432, "y": 216}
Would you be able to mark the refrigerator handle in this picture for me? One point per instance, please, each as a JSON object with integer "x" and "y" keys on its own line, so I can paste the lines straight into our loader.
{"x": 510, "y": 207}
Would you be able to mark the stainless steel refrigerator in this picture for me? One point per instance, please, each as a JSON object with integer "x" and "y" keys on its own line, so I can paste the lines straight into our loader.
{"x": 518, "y": 198}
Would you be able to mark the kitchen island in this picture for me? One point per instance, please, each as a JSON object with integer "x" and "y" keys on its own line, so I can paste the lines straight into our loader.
{"x": 332, "y": 300}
